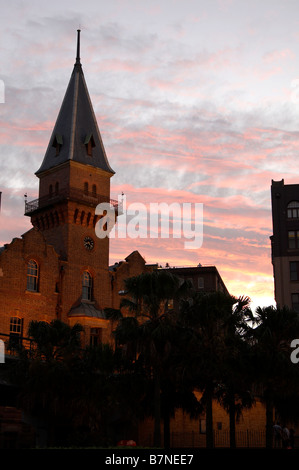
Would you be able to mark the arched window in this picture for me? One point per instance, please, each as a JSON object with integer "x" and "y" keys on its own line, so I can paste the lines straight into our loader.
{"x": 293, "y": 210}
{"x": 86, "y": 286}
{"x": 85, "y": 187}
{"x": 94, "y": 190}
{"x": 50, "y": 190}
{"x": 32, "y": 276}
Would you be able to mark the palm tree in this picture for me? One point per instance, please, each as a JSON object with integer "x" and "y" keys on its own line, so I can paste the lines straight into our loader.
{"x": 272, "y": 334}
{"x": 44, "y": 374}
{"x": 234, "y": 390}
{"x": 55, "y": 340}
{"x": 213, "y": 321}
{"x": 148, "y": 333}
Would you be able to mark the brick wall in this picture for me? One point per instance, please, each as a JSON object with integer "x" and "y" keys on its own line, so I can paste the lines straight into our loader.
{"x": 15, "y": 300}
{"x": 186, "y": 432}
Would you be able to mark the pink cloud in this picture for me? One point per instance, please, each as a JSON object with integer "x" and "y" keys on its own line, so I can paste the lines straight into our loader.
{"x": 278, "y": 55}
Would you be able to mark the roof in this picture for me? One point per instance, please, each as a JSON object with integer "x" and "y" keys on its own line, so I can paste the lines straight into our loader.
{"x": 76, "y": 127}
{"x": 86, "y": 310}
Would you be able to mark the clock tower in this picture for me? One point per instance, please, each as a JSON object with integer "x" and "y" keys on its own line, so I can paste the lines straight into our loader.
{"x": 74, "y": 178}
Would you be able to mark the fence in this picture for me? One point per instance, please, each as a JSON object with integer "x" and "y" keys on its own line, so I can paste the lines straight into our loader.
{"x": 244, "y": 439}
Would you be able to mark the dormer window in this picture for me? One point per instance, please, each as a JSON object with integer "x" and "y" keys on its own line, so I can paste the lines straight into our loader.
{"x": 89, "y": 144}
{"x": 57, "y": 143}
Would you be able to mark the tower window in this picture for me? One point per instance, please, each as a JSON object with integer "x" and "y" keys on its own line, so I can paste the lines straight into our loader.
{"x": 293, "y": 210}
{"x": 56, "y": 188}
{"x": 32, "y": 276}
{"x": 89, "y": 144}
{"x": 86, "y": 286}
{"x": 94, "y": 190}
{"x": 85, "y": 187}
{"x": 57, "y": 143}
{"x": 50, "y": 190}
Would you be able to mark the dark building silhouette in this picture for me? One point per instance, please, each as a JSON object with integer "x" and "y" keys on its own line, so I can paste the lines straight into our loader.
{"x": 285, "y": 243}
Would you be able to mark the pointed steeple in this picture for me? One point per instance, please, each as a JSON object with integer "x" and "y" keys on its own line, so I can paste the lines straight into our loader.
{"x": 76, "y": 135}
{"x": 78, "y": 47}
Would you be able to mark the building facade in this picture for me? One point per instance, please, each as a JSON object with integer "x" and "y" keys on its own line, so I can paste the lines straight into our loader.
{"x": 285, "y": 243}
{"x": 59, "y": 269}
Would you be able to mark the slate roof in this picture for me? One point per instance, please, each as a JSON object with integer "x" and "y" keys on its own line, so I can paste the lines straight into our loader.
{"x": 75, "y": 126}
{"x": 85, "y": 309}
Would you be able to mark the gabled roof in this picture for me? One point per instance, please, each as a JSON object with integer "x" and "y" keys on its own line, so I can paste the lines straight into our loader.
{"x": 76, "y": 133}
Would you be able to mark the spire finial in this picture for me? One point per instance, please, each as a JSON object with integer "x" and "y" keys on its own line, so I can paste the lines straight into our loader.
{"x": 78, "y": 47}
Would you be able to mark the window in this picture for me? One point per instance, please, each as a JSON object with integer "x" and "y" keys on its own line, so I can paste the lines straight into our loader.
{"x": 94, "y": 190}
{"x": 294, "y": 270}
{"x": 32, "y": 276}
{"x": 201, "y": 283}
{"x": 293, "y": 239}
{"x": 76, "y": 215}
{"x": 86, "y": 188}
{"x": 95, "y": 336}
{"x": 293, "y": 210}
{"x": 50, "y": 190}
{"x": 57, "y": 143}
{"x": 86, "y": 286}
{"x": 56, "y": 188}
{"x": 15, "y": 331}
{"x": 295, "y": 302}
{"x": 89, "y": 144}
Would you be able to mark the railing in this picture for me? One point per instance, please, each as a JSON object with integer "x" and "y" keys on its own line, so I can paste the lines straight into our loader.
{"x": 244, "y": 439}
{"x": 15, "y": 343}
{"x": 74, "y": 194}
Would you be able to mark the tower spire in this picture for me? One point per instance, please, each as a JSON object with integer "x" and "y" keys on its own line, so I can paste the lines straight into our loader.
{"x": 76, "y": 135}
{"x": 78, "y": 47}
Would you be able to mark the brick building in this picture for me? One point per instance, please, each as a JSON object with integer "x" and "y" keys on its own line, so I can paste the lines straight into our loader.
{"x": 60, "y": 269}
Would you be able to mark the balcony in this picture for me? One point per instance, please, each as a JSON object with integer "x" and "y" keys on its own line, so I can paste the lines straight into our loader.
{"x": 67, "y": 194}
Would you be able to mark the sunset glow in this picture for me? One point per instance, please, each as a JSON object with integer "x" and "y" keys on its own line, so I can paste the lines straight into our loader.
{"x": 196, "y": 101}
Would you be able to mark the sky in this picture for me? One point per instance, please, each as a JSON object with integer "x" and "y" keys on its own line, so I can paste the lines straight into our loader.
{"x": 197, "y": 102}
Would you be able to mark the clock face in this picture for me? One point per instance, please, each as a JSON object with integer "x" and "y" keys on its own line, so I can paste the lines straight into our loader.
{"x": 88, "y": 243}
